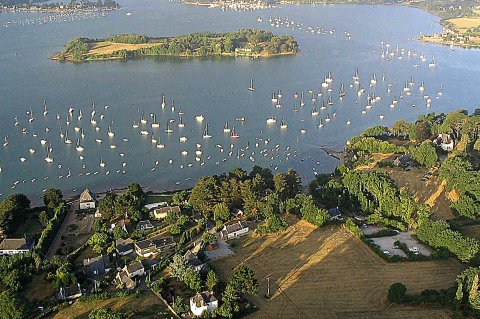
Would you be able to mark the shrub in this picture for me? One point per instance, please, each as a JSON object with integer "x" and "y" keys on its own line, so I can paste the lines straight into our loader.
{"x": 396, "y": 293}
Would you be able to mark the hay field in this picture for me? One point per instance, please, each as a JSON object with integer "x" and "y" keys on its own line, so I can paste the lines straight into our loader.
{"x": 107, "y": 47}
{"x": 462, "y": 24}
{"x": 147, "y": 306}
{"x": 329, "y": 273}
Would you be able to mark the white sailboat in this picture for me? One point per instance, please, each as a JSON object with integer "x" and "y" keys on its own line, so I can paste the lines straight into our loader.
{"x": 251, "y": 88}
{"x": 205, "y": 132}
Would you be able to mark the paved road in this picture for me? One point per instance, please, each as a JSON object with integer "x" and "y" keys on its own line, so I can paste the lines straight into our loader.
{"x": 69, "y": 219}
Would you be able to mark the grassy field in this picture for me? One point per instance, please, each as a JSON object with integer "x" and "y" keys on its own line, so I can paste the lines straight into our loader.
{"x": 329, "y": 273}
{"x": 107, "y": 47}
{"x": 39, "y": 288}
{"x": 151, "y": 199}
{"x": 31, "y": 226}
{"x": 145, "y": 306}
{"x": 463, "y": 24}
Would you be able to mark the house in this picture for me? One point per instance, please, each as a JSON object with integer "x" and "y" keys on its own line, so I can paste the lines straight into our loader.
{"x": 97, "y": 266}
{"x": 147, "y": 248}
{"x": 124, "y": 246}
{"x": 194, "y": 262}
{"x": 335, "y": 213}
{"x": 155, "y": 205}
{"x": 70, "y": 293}
{"x": 123, "y": 281}
{"x": 203, "y": 301}
{"x": 234, "y": 230}
{"x": 118, "y": 222}
{"x": 403, "y": 161}
{"x": 134, "y": 269}
{"x": 162, "y": 212}
{"x": 14, "y": 246}
{"x": 445, "y": 141}
{"x": 165, "y": 244}
{"x": 144, "y": 225}
{"x": 87, "y": 200}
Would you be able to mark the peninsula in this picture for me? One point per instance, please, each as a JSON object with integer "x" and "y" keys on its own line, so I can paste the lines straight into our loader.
{"x": 245, "y": 42}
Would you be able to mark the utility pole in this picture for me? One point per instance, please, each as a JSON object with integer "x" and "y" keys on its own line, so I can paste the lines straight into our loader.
{"x": 268, "y": 287}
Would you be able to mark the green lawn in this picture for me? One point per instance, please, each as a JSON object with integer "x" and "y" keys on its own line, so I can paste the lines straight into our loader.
{"x": 151, "y": 199}
{"x": 31, "y": 227}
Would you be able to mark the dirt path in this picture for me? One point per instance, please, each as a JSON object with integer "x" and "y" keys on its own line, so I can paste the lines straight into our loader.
{"x": 69, "y": 219}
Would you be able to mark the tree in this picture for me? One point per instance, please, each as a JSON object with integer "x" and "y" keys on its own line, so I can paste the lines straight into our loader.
{"x": 180, "y": 198}
{"x": 425, "y": 154}
{"x": 13, "y": 306}
{"x": 178, "y": 267}
{"x": 52, "y": 198}
{"x": 99, "y": 242}
{"x": 396, "y": 293}
{"x": 203, "y": 198}
{"x": 192, "y": 279}
{"x": 43, "y": 218}
{"x": 211, "y": 281}
{"x": 12, "y": 210}
{"x": 375, "y": 131}
{"x": 243, "y": 281}
{"x": 422, "y": 132}
{"x": 107, "y": 206}
{"x": 222, "y": 212}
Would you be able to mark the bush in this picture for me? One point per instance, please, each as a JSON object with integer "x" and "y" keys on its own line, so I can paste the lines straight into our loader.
{"x": 396, "y": 293}
{"x": 383, "y": 233}
{"x": 351, "y": 226}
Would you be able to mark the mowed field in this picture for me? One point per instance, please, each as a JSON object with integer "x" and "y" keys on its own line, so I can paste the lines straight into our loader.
{"x": 329, "y": 273}
{"x": 107, "y": 47}
{"x": 146, "y": 306}
{"x": 463, "y": 24}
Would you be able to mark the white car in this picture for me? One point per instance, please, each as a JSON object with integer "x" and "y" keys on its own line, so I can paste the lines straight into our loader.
{"x": 414, "y": 249}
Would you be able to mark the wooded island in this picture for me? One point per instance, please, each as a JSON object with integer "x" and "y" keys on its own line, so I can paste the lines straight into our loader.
{"x": 245, "y": 42}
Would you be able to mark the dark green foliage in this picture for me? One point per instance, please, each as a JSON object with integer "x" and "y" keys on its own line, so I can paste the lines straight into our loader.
{"x": 375, "y": 131}
{"x": 128, "y": 38}
{"x": 373, "y": 145}
{"x": 16, "y": 270}
{"x": 192, "y": 280}
{"x": 273, "y": 224}
{"x": 396, "y": 293}
{"x": 467, "y": 206}
{"x": 12, "y": 211}
{"x": 222, "y": 212}
{"x": 310, "y": 212}
{"x": 439, "y": 234}
{"x": 211, "y": 281}
{"x": 467, "y": 290}
{"x": 350, "y": 225}
{"x": 52, "y": 198}
{"x": 383, "y": 233}
{"x": 13, "y": 306}
{"x": 425, "y": 154}
{"x": 51, "y": 230}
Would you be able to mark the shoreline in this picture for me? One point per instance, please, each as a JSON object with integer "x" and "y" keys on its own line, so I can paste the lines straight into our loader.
{"x": 234, "y": 55}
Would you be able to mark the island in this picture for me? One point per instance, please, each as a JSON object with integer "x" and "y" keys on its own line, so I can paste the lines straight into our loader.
{"x": 54, "y": 7}
{"x": 245, "y": 42}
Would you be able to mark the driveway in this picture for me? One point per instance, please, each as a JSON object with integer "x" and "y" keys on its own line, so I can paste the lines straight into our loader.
{"x": 223, "y": 250}
{"x": 69, "y": 219}
{"x": 387, "y": 243}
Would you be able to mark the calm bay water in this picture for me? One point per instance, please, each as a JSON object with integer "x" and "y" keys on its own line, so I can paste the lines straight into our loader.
{"x": 213, "y": 87}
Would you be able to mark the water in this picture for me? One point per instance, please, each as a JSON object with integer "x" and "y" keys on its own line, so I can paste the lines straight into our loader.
{"x": 213, "y": 87}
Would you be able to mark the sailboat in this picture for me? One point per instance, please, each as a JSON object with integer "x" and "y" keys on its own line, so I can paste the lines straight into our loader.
{"x": 274, "y": 98}
{"x": 154, "y": 123}
{"x": 226, "y": 129}
{"x": 373, "y": 81}
{"x": 45, "y": 111}
{"x": 327, "y": 118}
{"x": 295, "y": 108}
{"x": 329, "y": 101}
{"x": 163, "y": 101}
{"x": 48, "y": 158}
{"x": 79, "y": 148}
{"x": 433, "y": 63}
{"x": 5, "y": 143}
{"x": 251, "y": 88}
{"x": 320, "y": 125}
{"x": 142, "y": 119}
{"x": 80, "y": 115}
{"x": 168, "y": 129}
{"x": 67, "y": 139}
{"x": 342, "y": 92}
{"x": 205, "y": 132}
{"x": 233, "y": 134}
{"x": 356, "y": 77}
{"x": 314, "y": 110}
{"x": 110, "y": 133}
{"x": 283, "y": 124}
{"x": 102, "y": 163}
{"x": 302, "y": 101}
{"x": 181, "y": 124}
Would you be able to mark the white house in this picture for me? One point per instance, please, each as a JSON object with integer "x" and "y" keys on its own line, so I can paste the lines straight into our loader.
{"x": 14, "y": 246}
{"x": 87, "y": 200}
{"x": 234, "y": 230}
{"x": 203, "y": 301}
{"x": 134, "y": 269}
{"x": 445, "y": 141}
{"x": 162, "y": 212}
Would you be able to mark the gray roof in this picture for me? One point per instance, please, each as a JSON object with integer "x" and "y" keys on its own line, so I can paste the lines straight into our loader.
{"x": 144, "y": 244}
{"x": 134, "y": 267}
{"x": 164, "y": 242}
{"x": 144, "y": 224}
{"x": 14, "y": 244}
{"x": 334, "y": 212}
{"x": 235, "y": 227}
{"x": 202, "y": 299}
{"x": 192, "y": 259}
{"x": 96, "y": 266}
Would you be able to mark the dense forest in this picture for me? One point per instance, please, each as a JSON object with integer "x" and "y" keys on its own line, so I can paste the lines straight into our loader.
{"x": 244, "y": 42}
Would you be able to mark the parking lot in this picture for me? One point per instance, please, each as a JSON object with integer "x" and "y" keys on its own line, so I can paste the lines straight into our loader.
{"x": 387, "y": 243}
